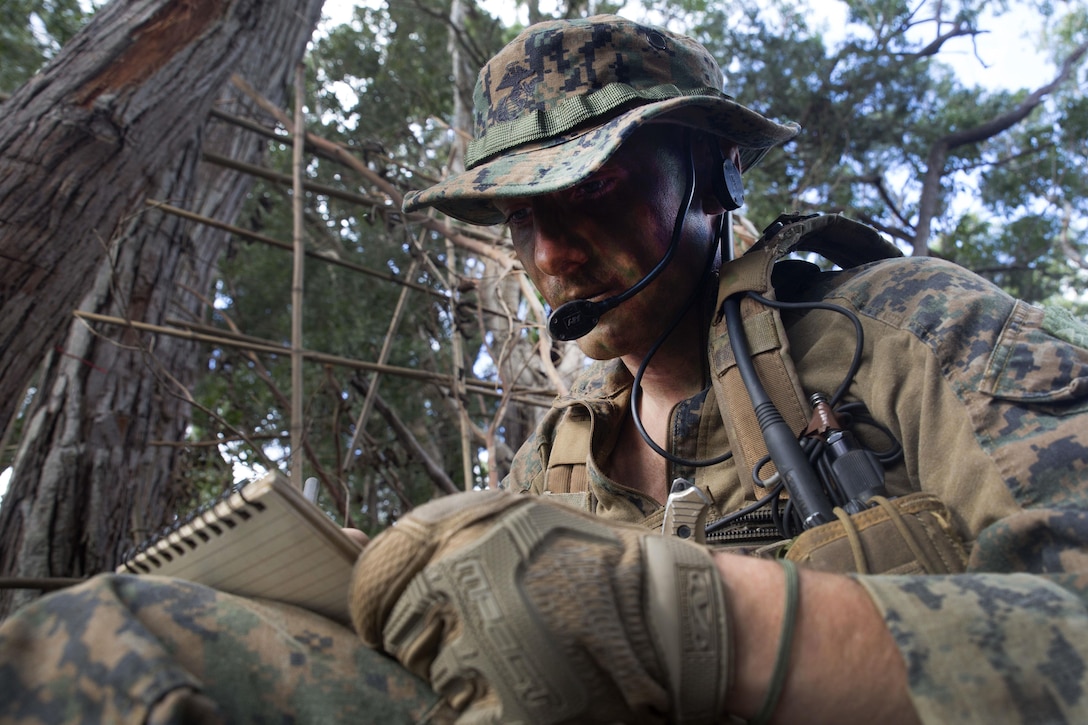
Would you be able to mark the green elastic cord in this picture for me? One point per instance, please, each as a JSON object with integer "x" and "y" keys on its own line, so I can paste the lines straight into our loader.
{"x": 782, "y": 658}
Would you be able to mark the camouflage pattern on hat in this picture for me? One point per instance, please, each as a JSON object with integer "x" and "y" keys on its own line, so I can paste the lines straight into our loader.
{"x": 556, "y": 103}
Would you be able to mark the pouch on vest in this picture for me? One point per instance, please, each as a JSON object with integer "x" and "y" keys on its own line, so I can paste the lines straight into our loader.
{"x": 566, "y": 479}
{"x": 912, "y": 534}
{"x": 566, "y": 471}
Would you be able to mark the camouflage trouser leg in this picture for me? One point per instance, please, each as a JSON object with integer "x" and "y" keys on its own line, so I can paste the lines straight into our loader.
{"x": 147, "y": 649}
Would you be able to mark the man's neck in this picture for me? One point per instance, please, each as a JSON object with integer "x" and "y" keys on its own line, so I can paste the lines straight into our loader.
{"x": 676, "y": 372}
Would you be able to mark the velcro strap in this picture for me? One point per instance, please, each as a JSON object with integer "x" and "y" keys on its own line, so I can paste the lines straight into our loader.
{"x": 570, "y": 451}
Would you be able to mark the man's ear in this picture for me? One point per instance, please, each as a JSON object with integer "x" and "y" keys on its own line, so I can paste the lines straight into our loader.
{"x": 726, "y": 190}
{"x": 728, "y": 187}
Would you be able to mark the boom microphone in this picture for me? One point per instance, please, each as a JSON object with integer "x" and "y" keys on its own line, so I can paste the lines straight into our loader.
{"x": 577, "y": 318}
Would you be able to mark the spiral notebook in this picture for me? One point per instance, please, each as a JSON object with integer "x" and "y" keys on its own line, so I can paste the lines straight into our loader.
{"x": 261, "y": 540}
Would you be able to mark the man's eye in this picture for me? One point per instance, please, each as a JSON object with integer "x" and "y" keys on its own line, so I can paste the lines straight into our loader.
{"x": 592, "y": 189}
{"x": 518, "y": 216}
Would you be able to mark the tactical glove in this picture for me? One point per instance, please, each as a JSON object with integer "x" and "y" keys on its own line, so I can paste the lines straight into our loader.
{"x": 516, "y": 609}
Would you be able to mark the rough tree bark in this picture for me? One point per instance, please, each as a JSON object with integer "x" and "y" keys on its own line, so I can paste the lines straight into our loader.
{"x": 81, "y": 142}
{"x": 117, "y": 118}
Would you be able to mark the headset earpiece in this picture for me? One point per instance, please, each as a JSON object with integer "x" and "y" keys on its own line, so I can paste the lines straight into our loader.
{"x": 728, "y": 186}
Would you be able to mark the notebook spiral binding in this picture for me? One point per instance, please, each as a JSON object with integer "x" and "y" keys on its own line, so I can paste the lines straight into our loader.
{"x": 203, "y": 522}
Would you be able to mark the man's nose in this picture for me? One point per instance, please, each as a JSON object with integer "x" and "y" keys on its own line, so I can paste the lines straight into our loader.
{"x": 557, "y": 252}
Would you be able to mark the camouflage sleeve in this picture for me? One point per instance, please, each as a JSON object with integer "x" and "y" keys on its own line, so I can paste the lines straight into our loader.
{"x": 1008, "y": 640}
{"x": 127, "y": 649}
{"x": 985, "y": 648}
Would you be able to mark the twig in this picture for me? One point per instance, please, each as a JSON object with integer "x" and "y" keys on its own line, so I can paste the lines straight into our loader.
{"x": 383, "y": 356}
{"x": 437, "y": 475}
{"x": 344, "y": 156}
{"x": 482, "y": 387}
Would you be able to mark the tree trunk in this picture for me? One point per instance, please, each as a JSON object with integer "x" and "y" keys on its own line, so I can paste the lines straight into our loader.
{"x": 128, "y": 100}
{"x": 81, "y": 142}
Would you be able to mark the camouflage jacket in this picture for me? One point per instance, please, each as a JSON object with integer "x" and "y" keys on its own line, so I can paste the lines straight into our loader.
{"x": 989, "y": 398}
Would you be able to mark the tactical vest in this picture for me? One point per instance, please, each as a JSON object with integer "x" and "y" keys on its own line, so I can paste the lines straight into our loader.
{"x": 911, "y": 535}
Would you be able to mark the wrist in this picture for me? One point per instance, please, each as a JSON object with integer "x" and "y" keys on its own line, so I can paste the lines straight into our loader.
{"x": 843, "y": 665}
{"x": 755, "y": 592}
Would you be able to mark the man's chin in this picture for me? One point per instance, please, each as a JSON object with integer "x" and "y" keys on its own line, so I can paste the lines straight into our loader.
{"x": 597, "y": 355}
{"x": 602, "y": 344}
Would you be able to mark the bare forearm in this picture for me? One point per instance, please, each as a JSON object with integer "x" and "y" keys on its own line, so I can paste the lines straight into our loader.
{"x": 843, "y": 666}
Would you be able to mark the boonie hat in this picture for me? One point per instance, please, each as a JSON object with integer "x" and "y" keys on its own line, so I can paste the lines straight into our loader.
{"x": 554, "y": 105}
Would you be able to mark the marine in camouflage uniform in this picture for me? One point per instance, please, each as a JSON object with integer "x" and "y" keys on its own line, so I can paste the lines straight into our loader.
{"x": 986, "y": 394}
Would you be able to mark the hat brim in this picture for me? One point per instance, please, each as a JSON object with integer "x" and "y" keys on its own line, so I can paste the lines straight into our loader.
{"x": 563, "y": 161}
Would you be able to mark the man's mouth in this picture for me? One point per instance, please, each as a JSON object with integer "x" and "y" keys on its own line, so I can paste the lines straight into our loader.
{"x": 592, "y": 295}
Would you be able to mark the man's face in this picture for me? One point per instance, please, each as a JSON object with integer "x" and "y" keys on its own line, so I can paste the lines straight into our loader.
{"x": 599, "y": 238}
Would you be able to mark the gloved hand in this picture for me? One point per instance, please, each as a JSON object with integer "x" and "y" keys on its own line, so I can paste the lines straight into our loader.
{"x": 517, "y": 609}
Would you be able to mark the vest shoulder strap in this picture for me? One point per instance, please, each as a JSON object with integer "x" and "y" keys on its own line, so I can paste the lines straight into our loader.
{"x": 566, "y": 470}
{"x": 843, "y": 241}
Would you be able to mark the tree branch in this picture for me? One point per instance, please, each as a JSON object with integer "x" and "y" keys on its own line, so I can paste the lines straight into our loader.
{"x": 959, "y": 29}
{"x": 895, "y": 232}
{"x": 938, "y": 153}
{"x": 441, "y": 481}
{"x": 345, "y": 157}
{"x": 1065, "y": 241}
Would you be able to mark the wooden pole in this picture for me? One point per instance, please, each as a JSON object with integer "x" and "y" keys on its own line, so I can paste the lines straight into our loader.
{"x": 296, "y": 288}
{"x": 459, "y": 392}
